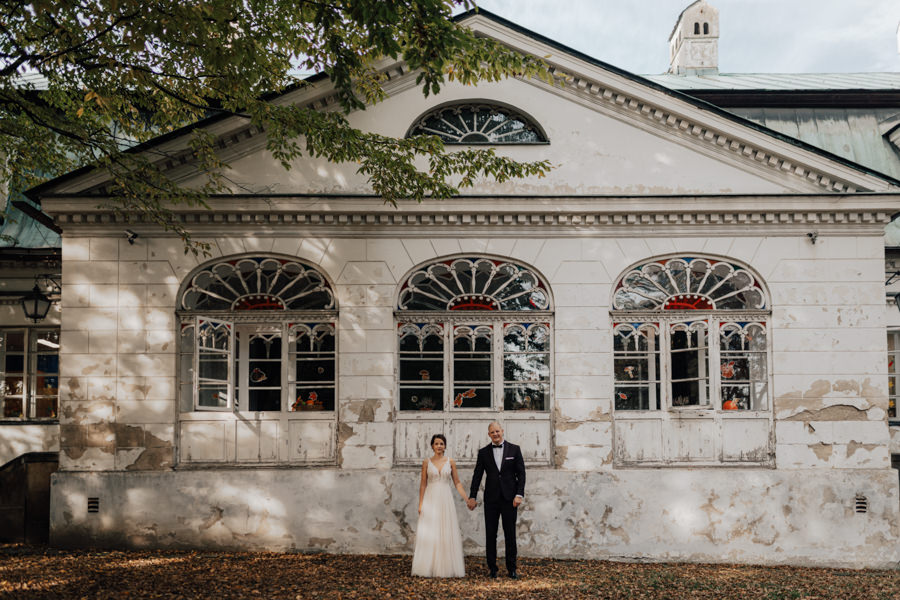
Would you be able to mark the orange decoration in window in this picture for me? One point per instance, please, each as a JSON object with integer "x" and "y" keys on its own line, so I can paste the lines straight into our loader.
{"x": 729, "y": 405}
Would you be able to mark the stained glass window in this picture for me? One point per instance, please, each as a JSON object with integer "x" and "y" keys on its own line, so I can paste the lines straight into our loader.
{"x": 474, "y": 334}
{"x": 257, "y": 283}
{"x": 470, "y": 123}
{"x": 258, "y": 335}
{"x": 690, "y": 332}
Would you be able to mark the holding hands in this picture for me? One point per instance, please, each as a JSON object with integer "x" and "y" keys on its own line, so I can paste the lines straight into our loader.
{"x": 471, "y": 503}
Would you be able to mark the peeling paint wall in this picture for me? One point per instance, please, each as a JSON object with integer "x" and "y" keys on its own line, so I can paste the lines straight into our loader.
{"x": 119, "y": 419}
{"x": 722, "y": 516}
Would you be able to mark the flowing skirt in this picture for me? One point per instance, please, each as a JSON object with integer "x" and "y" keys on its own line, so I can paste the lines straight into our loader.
{"x": 439, "y": 550}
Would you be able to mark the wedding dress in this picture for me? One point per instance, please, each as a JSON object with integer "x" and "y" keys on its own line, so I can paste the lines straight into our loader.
{"x": 439, "y": 550}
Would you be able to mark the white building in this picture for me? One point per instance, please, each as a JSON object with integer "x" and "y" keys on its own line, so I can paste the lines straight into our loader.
{"x": 684, "y": 326}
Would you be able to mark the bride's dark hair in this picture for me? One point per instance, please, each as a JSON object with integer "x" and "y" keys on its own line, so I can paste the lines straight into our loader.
{"x": 438, "y": 436}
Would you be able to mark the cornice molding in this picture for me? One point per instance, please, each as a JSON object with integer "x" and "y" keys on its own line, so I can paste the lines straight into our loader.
{"x": 848, "y": 220}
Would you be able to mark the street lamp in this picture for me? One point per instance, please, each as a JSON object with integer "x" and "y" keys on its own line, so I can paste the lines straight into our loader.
{"x": 36, "y": 304}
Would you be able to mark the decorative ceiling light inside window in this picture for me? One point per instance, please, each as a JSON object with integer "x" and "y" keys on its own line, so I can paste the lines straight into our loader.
{"x": 257, "y": 283}
{"x": 687, "y": 283}
{"x": 474, "y": 284}
{"x": 478, "y": 124}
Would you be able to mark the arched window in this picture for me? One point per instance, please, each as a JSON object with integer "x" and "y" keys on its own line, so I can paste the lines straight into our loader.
{"x": 485, "y": 324}
{"x": 478, "y": 123}
{"x": 690, "y": 332}
{"x": 706, "y": 29}
{"x": 258, "y": 335}
{"x": 696, "y": 28}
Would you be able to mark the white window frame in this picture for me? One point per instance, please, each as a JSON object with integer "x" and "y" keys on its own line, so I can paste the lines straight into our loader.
{"x": 664, "y": 322}
{"x": 497, "y": 323}
{"x": 30, "y": 353}
{"x": 893, "y": 375}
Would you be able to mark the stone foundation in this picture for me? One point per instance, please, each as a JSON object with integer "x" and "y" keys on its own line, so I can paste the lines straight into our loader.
{"x": 809, "y": 518}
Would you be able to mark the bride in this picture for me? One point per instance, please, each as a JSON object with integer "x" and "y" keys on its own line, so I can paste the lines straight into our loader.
{"x": 438, "y": 543}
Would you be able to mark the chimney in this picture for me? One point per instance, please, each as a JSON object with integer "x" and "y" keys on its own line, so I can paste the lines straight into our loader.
{"x": 694, "y": 43}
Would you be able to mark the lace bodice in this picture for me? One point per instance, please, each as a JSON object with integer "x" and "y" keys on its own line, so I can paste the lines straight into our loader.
{"x": 444, "y": 475}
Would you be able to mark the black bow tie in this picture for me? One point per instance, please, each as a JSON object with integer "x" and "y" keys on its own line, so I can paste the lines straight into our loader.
{"x": 498, "y": 445}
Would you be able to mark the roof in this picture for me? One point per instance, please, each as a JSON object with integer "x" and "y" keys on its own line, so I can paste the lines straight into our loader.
{"x": 683, "y": 88}
{"x": 24, "y": 231}
{"x": 772, "y": 82}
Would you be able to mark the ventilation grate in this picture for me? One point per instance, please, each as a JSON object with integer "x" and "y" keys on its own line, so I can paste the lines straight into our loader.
{"x": 93, "y": 505}
{"x": 862, "y": 504}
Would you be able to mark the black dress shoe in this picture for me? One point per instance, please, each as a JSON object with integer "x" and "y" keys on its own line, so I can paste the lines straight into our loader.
{"x": 513, "y": 575}
{"x": 493, "y": 574}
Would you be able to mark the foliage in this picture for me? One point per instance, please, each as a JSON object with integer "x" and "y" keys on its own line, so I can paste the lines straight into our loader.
{"x": 31, "y": 573}
{"x": 114, "y": 73}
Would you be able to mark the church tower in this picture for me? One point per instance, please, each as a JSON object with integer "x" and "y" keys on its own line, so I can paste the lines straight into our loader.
{"x": 694, "y": 43}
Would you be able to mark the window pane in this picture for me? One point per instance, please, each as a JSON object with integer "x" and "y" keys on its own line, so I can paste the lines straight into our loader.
{"x": 514, "y": 339}
{"x": 315, "y": 370}
{"x": 526, "y": 367}
{"x": 465, "y": 369}
{"x": 636, "y": 397}
{"x": 266, "y": 347}
{"x": 265, "y": 400}
{"x": 472, "y": 397}
{"x": 313, "y": 398}
{"x": 15, "y": 341}
{"x": 265, "y": 373}
{"x": 525, "y": 397}
{"x": 12, "y": 407}
{"x": 48, "y": 363}
{"x": 213, "y": 396}
{"x": 689, "y": 368}
{"x": 13, "y": 386}
{"x": 421, "y": 398}
{"x": 15, "y": 363}
{"x": 213, "y": 367}
{"x": 45, "y": 407}
{"x": 736, "y": 397}
{"x": 425, "y": 368}
{"x": 46, "y": 385}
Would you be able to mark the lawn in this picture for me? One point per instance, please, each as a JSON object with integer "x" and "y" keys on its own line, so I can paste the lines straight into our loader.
{"x": 33, "y": 572}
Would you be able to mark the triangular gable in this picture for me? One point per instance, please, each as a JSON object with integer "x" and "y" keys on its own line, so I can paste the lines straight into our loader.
{"x": 710, "y": 140}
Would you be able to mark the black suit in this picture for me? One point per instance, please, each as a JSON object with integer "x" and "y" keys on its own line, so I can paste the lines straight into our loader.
{"x": 500, "y": 488}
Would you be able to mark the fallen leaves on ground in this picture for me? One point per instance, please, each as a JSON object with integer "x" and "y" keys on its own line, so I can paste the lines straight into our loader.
{"x": 28, "y": 572}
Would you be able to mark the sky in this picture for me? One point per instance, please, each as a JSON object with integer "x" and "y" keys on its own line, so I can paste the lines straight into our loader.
{"x": 756, "y": 36}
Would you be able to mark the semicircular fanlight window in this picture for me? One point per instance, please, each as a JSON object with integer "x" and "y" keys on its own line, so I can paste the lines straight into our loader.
{"x": 686, "y": 283}
{"x": 478, "y": 124}
{"x": 474, "y": 284}
{"x": 257, "y": 283}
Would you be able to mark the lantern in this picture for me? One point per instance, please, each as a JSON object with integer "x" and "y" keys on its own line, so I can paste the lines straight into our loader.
{"x": 36, "y": 304}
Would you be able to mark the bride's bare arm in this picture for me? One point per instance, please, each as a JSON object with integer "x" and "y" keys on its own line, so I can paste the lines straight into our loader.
{"x": 457, "y": 482}
{"x": 422, "y": 483}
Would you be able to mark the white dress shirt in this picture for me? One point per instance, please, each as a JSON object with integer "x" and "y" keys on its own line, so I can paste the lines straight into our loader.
{"x": 498, "y": 455}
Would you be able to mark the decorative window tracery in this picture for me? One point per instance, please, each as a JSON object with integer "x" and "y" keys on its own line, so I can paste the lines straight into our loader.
{"x": 266, "y": 338}
{"x": 703, "y": 343}
{"x": 478, "y": 123}
{"x": 476, "y": 349}
{"x": 688, "y": 283}
{"x": 257, "y": 283}
{"x": 474, "y": 284}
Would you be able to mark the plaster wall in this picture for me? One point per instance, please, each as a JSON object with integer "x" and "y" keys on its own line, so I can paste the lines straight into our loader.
{"x": 118, "y": 408}
{"x": 765, "y": 517}
{"x": 119, "y": 417}
{"x": 592, "y": 151}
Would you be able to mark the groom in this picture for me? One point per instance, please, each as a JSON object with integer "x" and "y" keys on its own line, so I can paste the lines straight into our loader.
{"x": 503, "y": 493}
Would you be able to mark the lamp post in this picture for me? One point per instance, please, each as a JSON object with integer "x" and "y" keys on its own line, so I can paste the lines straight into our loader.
{"x": 36, "y": 304}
